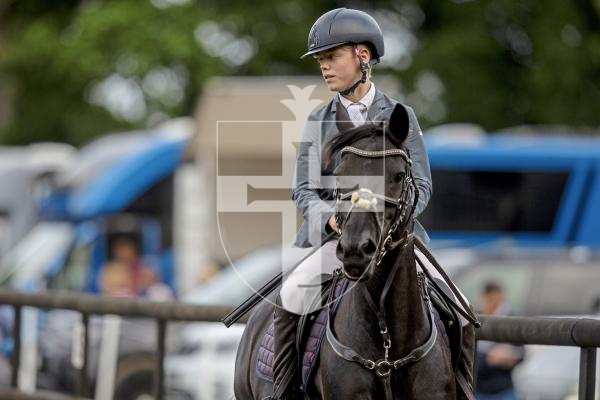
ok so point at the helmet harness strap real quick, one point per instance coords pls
(364, 67)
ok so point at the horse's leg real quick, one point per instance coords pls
(432, 378)
(316, 391)
(338, 379)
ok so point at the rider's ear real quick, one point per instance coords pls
(342, 119)
(399, 123)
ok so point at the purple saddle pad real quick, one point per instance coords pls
(310, 353)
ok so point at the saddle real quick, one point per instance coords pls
(309, 335)
(312, 327)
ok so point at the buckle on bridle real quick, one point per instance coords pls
(383, 368)
(369, 364)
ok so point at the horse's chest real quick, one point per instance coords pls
(343, 379)
(346, 380)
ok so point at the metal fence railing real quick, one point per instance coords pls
(577, 332)
(88, 305)
(583, 333)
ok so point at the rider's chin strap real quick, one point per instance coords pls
(364, 67)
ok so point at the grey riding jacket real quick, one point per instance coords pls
(312, 192)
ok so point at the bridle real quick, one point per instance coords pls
(364, 198)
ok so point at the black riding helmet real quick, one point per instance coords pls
(346, 26)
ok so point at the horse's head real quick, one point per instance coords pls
(375, 193)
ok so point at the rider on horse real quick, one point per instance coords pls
(346, 43)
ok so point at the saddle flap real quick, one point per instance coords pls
(449, 318)
(310, 335)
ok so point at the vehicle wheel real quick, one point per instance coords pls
(135, 378)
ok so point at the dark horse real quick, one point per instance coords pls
(383, 343)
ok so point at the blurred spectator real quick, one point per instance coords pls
(126, 275)
(208, 271)
(495, 361)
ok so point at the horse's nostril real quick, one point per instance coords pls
(368, 248)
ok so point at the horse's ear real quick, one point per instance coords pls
(399, 124)
(342, 119)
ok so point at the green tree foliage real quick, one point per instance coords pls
(65, 62)
(511, 62)
(76, 69)
(55, 60)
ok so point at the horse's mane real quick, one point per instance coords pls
(348, 138)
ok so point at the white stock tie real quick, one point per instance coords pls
(355, 112)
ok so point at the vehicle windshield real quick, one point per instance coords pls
(515, 278)
(256, 269)
(35, 253)
(539, 286)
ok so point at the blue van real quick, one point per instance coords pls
(133, 198)
(529, 190)
(121, 186)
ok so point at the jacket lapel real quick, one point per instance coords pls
(379, 104)
(334, 106)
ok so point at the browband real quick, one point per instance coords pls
(377, 153)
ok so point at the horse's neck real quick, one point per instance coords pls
(404, 312)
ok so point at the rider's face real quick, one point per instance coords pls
(339, 66)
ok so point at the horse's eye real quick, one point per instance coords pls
(398, 177)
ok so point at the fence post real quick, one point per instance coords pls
(587, 373)
(160, 357)
(83, 377)
(16, 355)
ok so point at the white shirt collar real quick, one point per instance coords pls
(367, 99)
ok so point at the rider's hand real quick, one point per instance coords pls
(333, 224)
